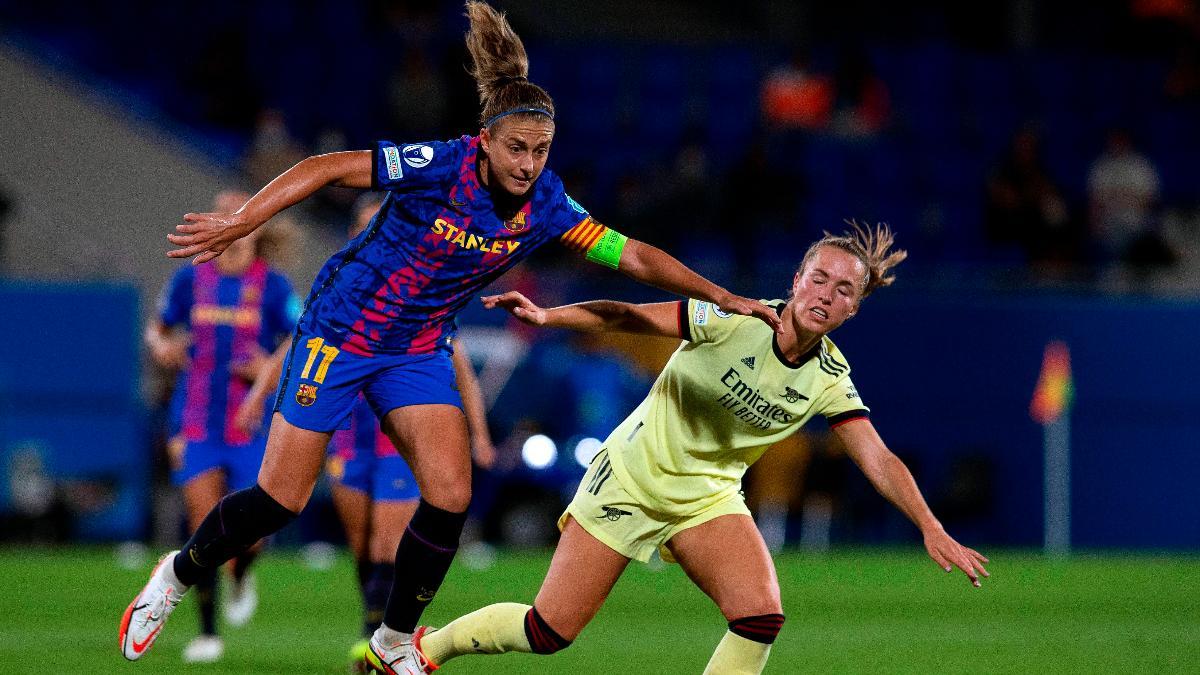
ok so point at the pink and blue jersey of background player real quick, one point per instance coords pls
(435, 242)
(227, 317)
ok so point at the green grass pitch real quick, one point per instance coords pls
(853, 611)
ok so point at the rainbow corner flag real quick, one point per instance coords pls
(1055, 390)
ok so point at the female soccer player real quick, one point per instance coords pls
(668, 477)
(374, 492)
(380, 319)
(217, 324)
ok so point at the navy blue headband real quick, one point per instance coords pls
(523, 109)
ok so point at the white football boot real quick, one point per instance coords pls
(204, 649)
(404, 659)
(241, 602)
(148, 612)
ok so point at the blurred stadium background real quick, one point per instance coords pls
(1038, 161)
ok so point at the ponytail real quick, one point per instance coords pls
(500, 67)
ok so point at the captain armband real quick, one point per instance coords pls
(598, 242)
(607, 249)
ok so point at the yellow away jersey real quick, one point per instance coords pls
(725, 396)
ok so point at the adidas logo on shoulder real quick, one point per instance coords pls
(749, 361)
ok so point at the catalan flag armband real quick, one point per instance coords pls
(601, 244)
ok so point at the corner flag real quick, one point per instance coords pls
(1055, 390)
(1051, 407)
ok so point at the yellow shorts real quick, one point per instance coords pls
(612, 515)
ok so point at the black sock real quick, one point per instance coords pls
(375, 594)
(363, 567)
(236, 523)
(206, 597)
(242, 563)
(422, 558)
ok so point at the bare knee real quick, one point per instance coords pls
(755, 601)
(291, 495)
(292, 463)
(449, 493)
(756, 613)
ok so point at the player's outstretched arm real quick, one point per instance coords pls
(655, 267)
(207, 235)
(893, 480)
(594, 316)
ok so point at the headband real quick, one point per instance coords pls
(521, 109)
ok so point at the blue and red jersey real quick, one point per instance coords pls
(436, 241)
(229, 318)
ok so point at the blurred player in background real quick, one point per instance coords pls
(374, 490)
(669, 477)
(380, 320)
(217, 325)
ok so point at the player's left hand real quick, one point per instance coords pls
(736, 304)
(207, 234)
(248, 417)
(518, 305)
(249, 367)
(948, 554)
(485, 455)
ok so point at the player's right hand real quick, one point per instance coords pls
(248, 417)
(207, 234)
(518, 305)
(484, 454)
(947, 552)
(252, 366)
(736, 304)
(170, 353)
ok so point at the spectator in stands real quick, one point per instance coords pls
(760, 201)
(1123, 195)
(417, 95)
(854, 102)
(689, 194)
(1025, 207)
(793, 97)
(220, 86)
(273, 150)
(862, 104)
(1183, 80)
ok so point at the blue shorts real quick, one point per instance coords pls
(239, 462)
(383, 479)
(320, 383)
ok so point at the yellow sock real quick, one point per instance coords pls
(495, 629)
(738, 656)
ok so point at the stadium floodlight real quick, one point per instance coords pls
(539, 451)
(586, 449)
